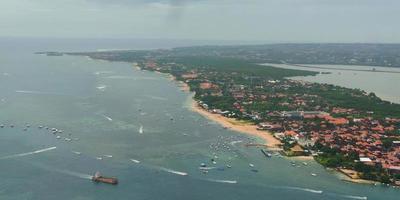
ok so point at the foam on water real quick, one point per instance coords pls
(301, 189)
(349, 196)
(172, 171)
(222, 181)
(29, 153)
(35, 92)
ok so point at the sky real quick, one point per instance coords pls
(245, 20)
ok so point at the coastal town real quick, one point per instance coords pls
(350, 130)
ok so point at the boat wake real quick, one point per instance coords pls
(348, 196)
(235, 142)
(354, 197)
(35, 92)
(172, 171)
(302, 189)
(75, 174)
(103, 72)
(156, 97)
(28, 153)
(222, 181)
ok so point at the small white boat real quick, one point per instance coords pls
(251, 165)
(67, 139)
(58, 137)
(312, 174)
(305, 164)
(141, 129)
(228, 166)
(77, 152)
(135, 161)
(108, 156)
(99, 158)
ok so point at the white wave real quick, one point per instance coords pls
(135, 161)
(29, 153)
(222, 181)
(172, 171)
(302, 189)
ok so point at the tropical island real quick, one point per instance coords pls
(350, 130)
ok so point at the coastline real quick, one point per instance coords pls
(269, 140)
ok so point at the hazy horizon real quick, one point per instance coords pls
(261, 21)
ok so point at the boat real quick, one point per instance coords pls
(251, 165)
(312, 174)
(58, 137)
(98, 178)
(141, 130)
(1, 125)
(135, 161)
(77, 152)
(305, 164)
(269, 155)
(108, 156)
(99, 158)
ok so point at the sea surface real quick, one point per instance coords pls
(143, 121)
(383, 81)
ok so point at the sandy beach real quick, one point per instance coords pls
(239, 126)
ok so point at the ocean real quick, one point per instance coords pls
(136, 126)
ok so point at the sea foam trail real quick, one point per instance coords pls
(75, 174)
(222, 181)
(28, 153)
(35, 92)
(348, 196)
(172, 171)
(301, 189)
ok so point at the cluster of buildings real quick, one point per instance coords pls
(298, 117)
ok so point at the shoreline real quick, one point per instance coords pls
(269, 140)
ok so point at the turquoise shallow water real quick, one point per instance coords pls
(101, 107)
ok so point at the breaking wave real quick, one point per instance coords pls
(29, 153)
